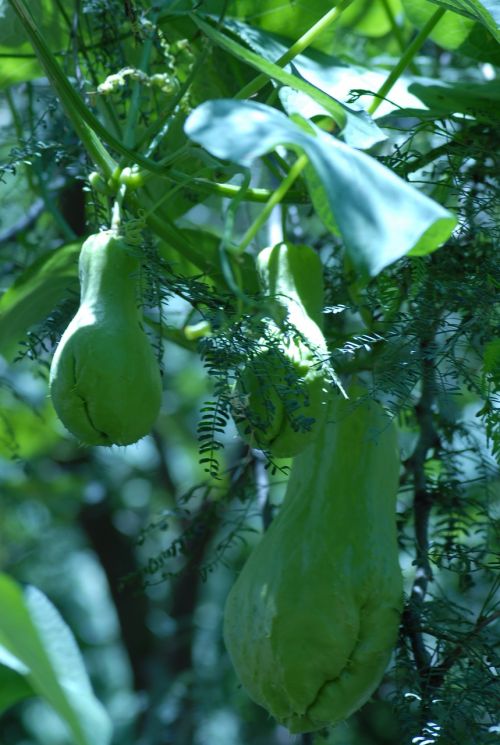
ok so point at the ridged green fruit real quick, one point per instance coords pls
(105, 380)
(313, 617)
(284, 387)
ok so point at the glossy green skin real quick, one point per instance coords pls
(293, 274)
(284, 388)
(105, 381)
(313, 617)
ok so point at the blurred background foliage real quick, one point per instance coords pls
(137, 546)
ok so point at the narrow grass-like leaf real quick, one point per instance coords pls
(35, 293)
(33, 633)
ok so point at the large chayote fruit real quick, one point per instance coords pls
(105, 380)
(283, 388)
(312, 619)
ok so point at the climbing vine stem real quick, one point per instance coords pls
(406, 59)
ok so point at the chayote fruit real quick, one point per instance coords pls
(313, 617)
(105, 380)
(282, 391)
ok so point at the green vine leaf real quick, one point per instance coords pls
(486, 12)
(274, 72)
(379, 216)
(478, 100)
(320, 71)
(450, 31)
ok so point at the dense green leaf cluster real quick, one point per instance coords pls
(208, 131)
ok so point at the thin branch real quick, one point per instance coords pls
(422, 503)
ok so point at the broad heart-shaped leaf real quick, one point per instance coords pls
(35, 293)
(55, 27)
(486, 12)
(451, 30)
(320, 70)
(478, 100)
(335, 108)
(334, 76)
(481, 45)
(53, 24)
(38, 644)
(289, 18)
(18, 69)
(354, 133)
(369, 19)
(379, 216)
